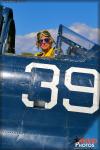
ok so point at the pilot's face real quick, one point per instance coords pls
(45, 43)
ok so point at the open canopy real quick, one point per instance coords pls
(68, 39)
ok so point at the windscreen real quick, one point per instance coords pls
(76, 38)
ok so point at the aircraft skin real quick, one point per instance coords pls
(49, 104)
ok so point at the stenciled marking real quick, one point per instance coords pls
(94, 90)
(54, 90)
(52, 85)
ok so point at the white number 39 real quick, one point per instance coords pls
(54, 90)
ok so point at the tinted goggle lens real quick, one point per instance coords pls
(46, 40)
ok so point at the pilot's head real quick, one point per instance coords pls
(44, 40)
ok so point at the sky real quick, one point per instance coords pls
(32, 17)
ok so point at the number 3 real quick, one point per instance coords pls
(52, 85)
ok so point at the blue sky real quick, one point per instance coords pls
(35, 16)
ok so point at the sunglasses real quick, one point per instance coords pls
(46, 40)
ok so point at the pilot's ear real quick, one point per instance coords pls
(52, 40)
(38, 37)
(37, 44)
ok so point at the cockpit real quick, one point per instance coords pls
(70, 43)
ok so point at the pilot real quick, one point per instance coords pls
(45, 43)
